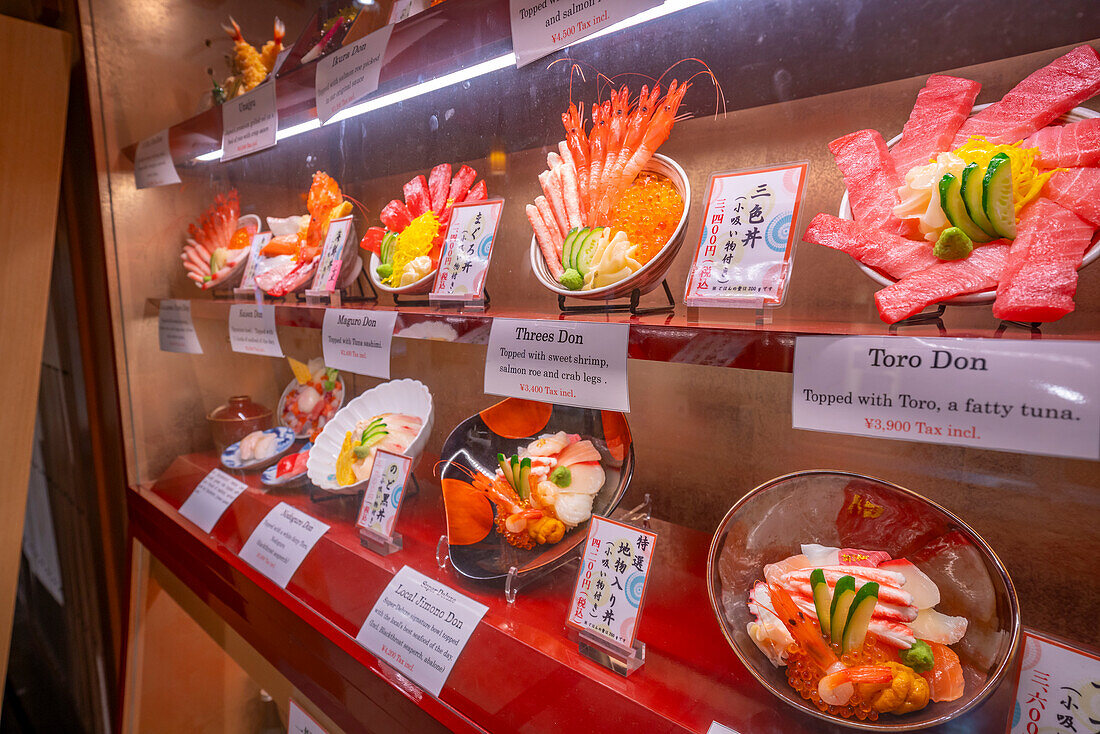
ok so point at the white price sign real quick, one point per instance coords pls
(541, 27)
(350, 73)
(743, 259)
(1029, 397)
(358, 341)
(565, 362)
(281, 542)
(252, 330)
(209, 501)
(419, 627)
(249, 122)
(385, 490)
(153, 162)
(299, 722)
(175, 329)
(467, 249)
(1058, 689)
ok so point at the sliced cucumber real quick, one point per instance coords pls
(387, 248)
(515, 472)
(567, 247)
(859, 617)
(997, 199)
(569, 260)
(587, 251)
(952, 202)
(844, 593)
(505, 467)
(523, 487)
(821, 599)
(972, 190)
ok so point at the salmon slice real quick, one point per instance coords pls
(1040, 275)
(872, 180)
(1038, 100)
(941, 109)
(1062, 146)
(893, 254)
(944, 280)
(1078, 190)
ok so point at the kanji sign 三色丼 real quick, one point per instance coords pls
(1058, 689)
(745, 247)
(467, 248)
(615, 563)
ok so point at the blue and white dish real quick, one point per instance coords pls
(270, 479)
(284, 439)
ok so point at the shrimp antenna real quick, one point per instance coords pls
(719, 95)
(455, 464)
(362, 207)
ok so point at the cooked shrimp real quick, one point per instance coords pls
(837, 689)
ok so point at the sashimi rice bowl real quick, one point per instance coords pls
(975, 204)
(859, 601)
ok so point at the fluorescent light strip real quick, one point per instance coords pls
(462, 75)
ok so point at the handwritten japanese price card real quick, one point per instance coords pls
(248, 280)
(328, 270)
(1058, 691)
(467, 248)
(385, 490)
(743, 259)
(612, 581)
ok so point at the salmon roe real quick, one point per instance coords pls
(804, 675)
(648, 212)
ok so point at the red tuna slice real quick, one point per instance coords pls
(478, 192)
(942, 107)
(944, 280)
(1078, 190)
(439, 183)
(396, 216)
(1038, 100)
(417, 197)
(461, 184)
(893, 254)
(871, 179)
(1075, 144)
(1040, 276)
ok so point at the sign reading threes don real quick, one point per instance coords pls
(1029, 397)
(541, 27)
(565, 362)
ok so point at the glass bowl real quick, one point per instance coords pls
(841, 509)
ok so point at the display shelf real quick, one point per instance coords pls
(519, 670)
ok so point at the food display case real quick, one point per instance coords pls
(738, 88)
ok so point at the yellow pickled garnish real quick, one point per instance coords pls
(300, 370)
(1027, 178)
(414, 242)
(648, 212)
(345, 475)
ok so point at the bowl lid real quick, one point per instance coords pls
(239, 408)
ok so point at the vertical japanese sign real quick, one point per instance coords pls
(743, 259)
(328, 269)
(175, 329)
(385, 490)
(467, 249)
(153, 164)
(1058, 690)
(611, 584)
(350, 73)
(250, 122)
(259, 241)
(541, 27)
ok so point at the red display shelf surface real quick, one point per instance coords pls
(519, 670)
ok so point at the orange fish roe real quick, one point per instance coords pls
(804, 675)
(648, 212)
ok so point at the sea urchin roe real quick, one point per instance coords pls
(415, 241)
(648, 212)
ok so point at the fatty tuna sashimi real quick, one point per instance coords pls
(439, 184)
(891, 253)
(1062, 146)
(941, 108)
(396, 216)
(417, 198)
(461, 184)
(1078, 190)
(1040, 275)
(478, 192)
(872, 180)
(1038, 100)
(944, 280)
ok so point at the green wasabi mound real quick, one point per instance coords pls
(561, 476)
(572, 279)
(918, 657)
(384, 271)
(953, 244)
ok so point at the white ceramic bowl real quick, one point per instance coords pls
(409, 397)
(650, 275)
(419, 287)
(234, 272)
(987, 296)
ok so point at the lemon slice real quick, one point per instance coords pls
(301, 371)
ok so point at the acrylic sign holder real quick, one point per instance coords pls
(378, 543)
